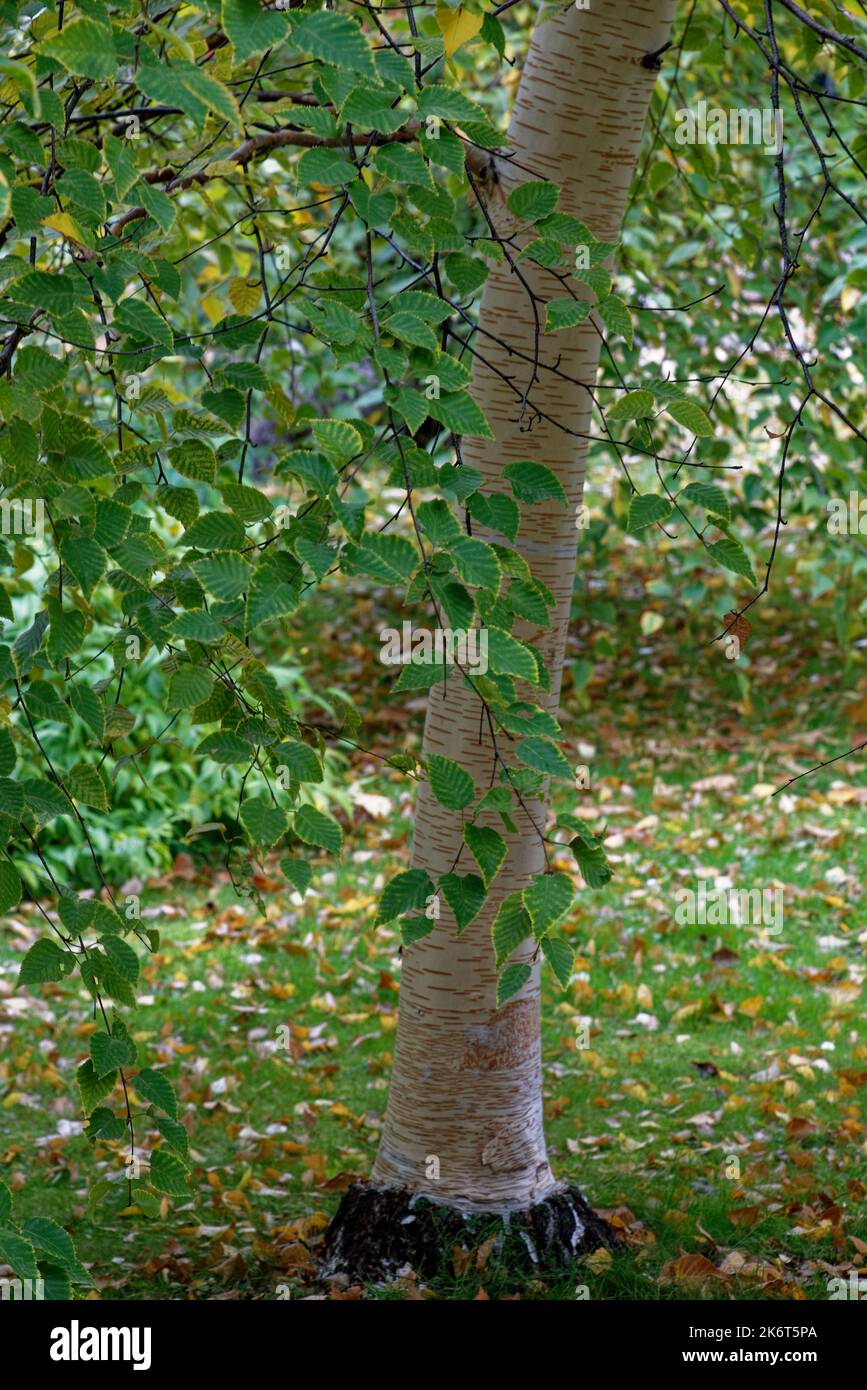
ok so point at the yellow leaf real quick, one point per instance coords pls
(62, 222)
(849, 298)
(751, 1006)
(245, 295)
(651, 622)
(286, 411)
(214, 309)
(457, 27)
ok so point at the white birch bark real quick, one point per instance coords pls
(466, 1085)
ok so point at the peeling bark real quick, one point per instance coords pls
(464, 1118)
(466, 1086)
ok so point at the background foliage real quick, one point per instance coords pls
(239, 244)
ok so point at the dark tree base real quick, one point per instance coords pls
(378, 1231)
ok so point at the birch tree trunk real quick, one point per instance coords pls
(466, 1089)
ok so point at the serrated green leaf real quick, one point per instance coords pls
(691, 416)
(264, 822)
(169, 1174)
(533, 200)
(511, 926)
(561, 958)
(93, 1088)
(487, 847)
(451, 785)
(155, 1087)
(511, 980)
(318, 828)
(465, 895)
(534, 482)
(731, 555)
(546, 899)
(406, 891)
(645, 509)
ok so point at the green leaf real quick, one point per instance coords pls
(465, 895)
(451, 785)
(197, 626)
(93, 1088)
(561, 958)
(44, 961)
(174, 1132)
(155, 1087)
(52, 1240)
(45, 800)
(731, 555)
(594, 866)
(511, 926)
(509, 657)
(108, 1053)
(530, 201)
(412, 329)
(140, 321)
(18, 1253)
(215, 531)
(224, 574)
(264, 822)
(10, 887)
(335, 38)
(408, 890)
(691, 416)
(376, 209)
(467, 273)
(104, 1124)
(147, 1201)
(476, 563)
(124, 960)
(224, 746)
(534, 482)
(7, 753)
(300, 760)
(566, 313)
(85, 784)
(389, 558)
(189, 686)
(250, 28)
(645, 508)
(83, 47)
(544, 756)
(546, 899)
(496, 511)
(402, 166)
(85, 560)
(634, 405)
(449, 103)
(459, 413)
(318, 828)
(708, 495)
(369, 108)
(192, 459)
(615, 314)
(169, 1174)
(90, 707)
(439, 523)
(487, 848)
(512, 979)
(298, 872)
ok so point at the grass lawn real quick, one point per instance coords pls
(716, 1112)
